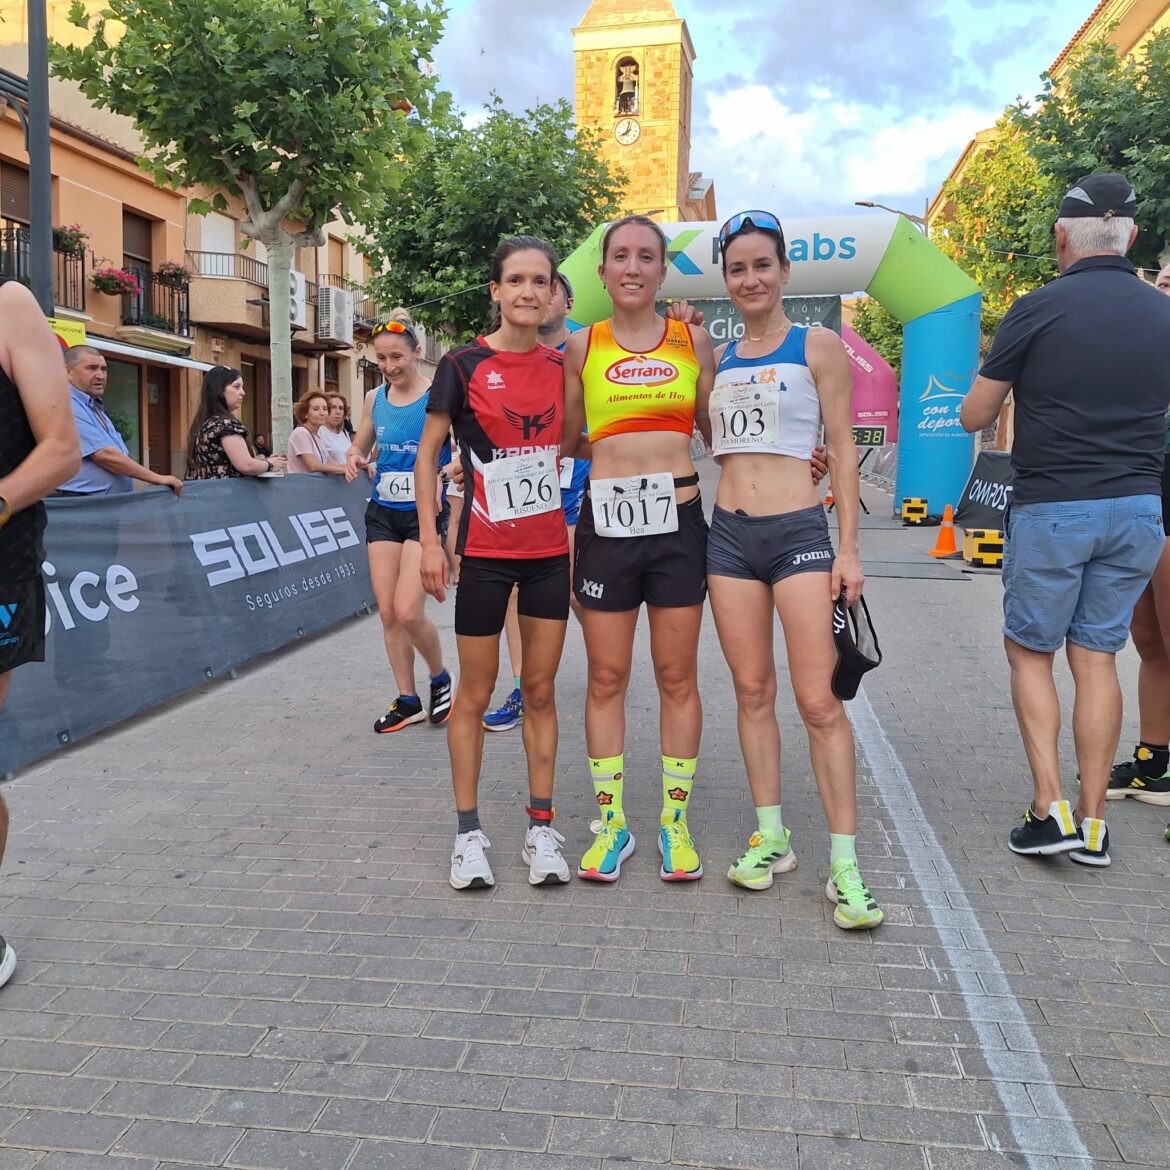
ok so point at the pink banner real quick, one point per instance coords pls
(875, 392)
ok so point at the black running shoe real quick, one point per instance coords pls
(1130, 778)
(440, 709)
(1055, 833)
(402, 713)
(1094, 848)
(7, 961)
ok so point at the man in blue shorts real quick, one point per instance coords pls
(1086, 358)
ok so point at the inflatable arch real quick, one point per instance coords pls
(887, 257)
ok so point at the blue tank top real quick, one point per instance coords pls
(397, 430)
(572, 494)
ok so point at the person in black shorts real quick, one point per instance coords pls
(393, 419)
(1146, 777)
(39, 451)
(503, 395)
(639, 381)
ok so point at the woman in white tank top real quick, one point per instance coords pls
(769, 549)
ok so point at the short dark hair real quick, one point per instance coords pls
(516, 244)
(628, 221)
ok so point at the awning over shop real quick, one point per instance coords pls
(146, 355)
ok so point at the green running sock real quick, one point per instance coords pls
(842, 847)
(606, 774)
(678, 776)
(768, 819)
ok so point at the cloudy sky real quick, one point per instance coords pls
(798, 107)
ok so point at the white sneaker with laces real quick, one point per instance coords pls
(469, 865)
(542, 852)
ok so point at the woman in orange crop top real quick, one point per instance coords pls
(637, 381)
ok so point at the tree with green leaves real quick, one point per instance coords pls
(881, 329)
(1109, 113)
(297, 107)
(474, 183)
(1000, 226)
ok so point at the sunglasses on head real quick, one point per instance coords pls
(758, 219)
(393, 327)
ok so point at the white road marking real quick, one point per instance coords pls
(984, 985)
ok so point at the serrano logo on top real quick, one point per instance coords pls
(640, 370)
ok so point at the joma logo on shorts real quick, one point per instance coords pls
(591, 588)
(804, 558)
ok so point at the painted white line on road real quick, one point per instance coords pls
(1053, 1134)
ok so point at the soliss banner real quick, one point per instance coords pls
(150, 594)
(988, 492)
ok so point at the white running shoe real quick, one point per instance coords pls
(469, 866)
(542, 852)
(8, 960)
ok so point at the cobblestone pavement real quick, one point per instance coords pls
(238, 946)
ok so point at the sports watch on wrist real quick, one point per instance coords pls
(5, 511)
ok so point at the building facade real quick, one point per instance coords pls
(634, 70)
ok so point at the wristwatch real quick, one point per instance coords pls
(268, 463)
(5, 511)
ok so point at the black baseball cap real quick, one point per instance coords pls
(1103, 195)
(857, 646)
(568, 287)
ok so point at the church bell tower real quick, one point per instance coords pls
(634, 70)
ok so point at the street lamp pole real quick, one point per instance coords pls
(40, 173)
(917, 220)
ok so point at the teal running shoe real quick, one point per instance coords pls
(680, 854)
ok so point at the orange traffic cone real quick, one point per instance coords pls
(829, 498)
(946, 536)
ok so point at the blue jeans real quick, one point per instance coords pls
(1073, 570)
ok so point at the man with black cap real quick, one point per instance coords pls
(1086, 358)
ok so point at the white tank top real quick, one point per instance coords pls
(766, 405)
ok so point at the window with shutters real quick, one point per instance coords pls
(136, 241)
(15, 201)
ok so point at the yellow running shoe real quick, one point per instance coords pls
(612, 845)
(680, 854)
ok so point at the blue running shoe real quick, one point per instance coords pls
(612, 845)
(506, 717)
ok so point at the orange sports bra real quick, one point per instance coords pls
(627, 392)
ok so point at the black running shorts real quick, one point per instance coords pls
(398, 524)
(486, 583)
(618, 573)
(769, 548)
(22, 622)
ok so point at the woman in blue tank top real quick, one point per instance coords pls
(769, 552)
(393, 420)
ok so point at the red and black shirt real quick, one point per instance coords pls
(503, 404)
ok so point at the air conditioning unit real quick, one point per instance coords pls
(298, 317)
(335, 315)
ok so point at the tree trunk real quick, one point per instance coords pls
(280, 261)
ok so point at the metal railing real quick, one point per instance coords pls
(160, 304)
(229, 266)
(14, 261)
(69, 280)
(68, 267)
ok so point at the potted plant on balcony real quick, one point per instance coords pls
(70, 239)
(173, 274)
(115, 282)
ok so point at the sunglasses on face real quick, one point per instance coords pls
(758, 219)
(393, 327)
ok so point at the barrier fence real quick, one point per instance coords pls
(150, 594)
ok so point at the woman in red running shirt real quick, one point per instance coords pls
(503, 396)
